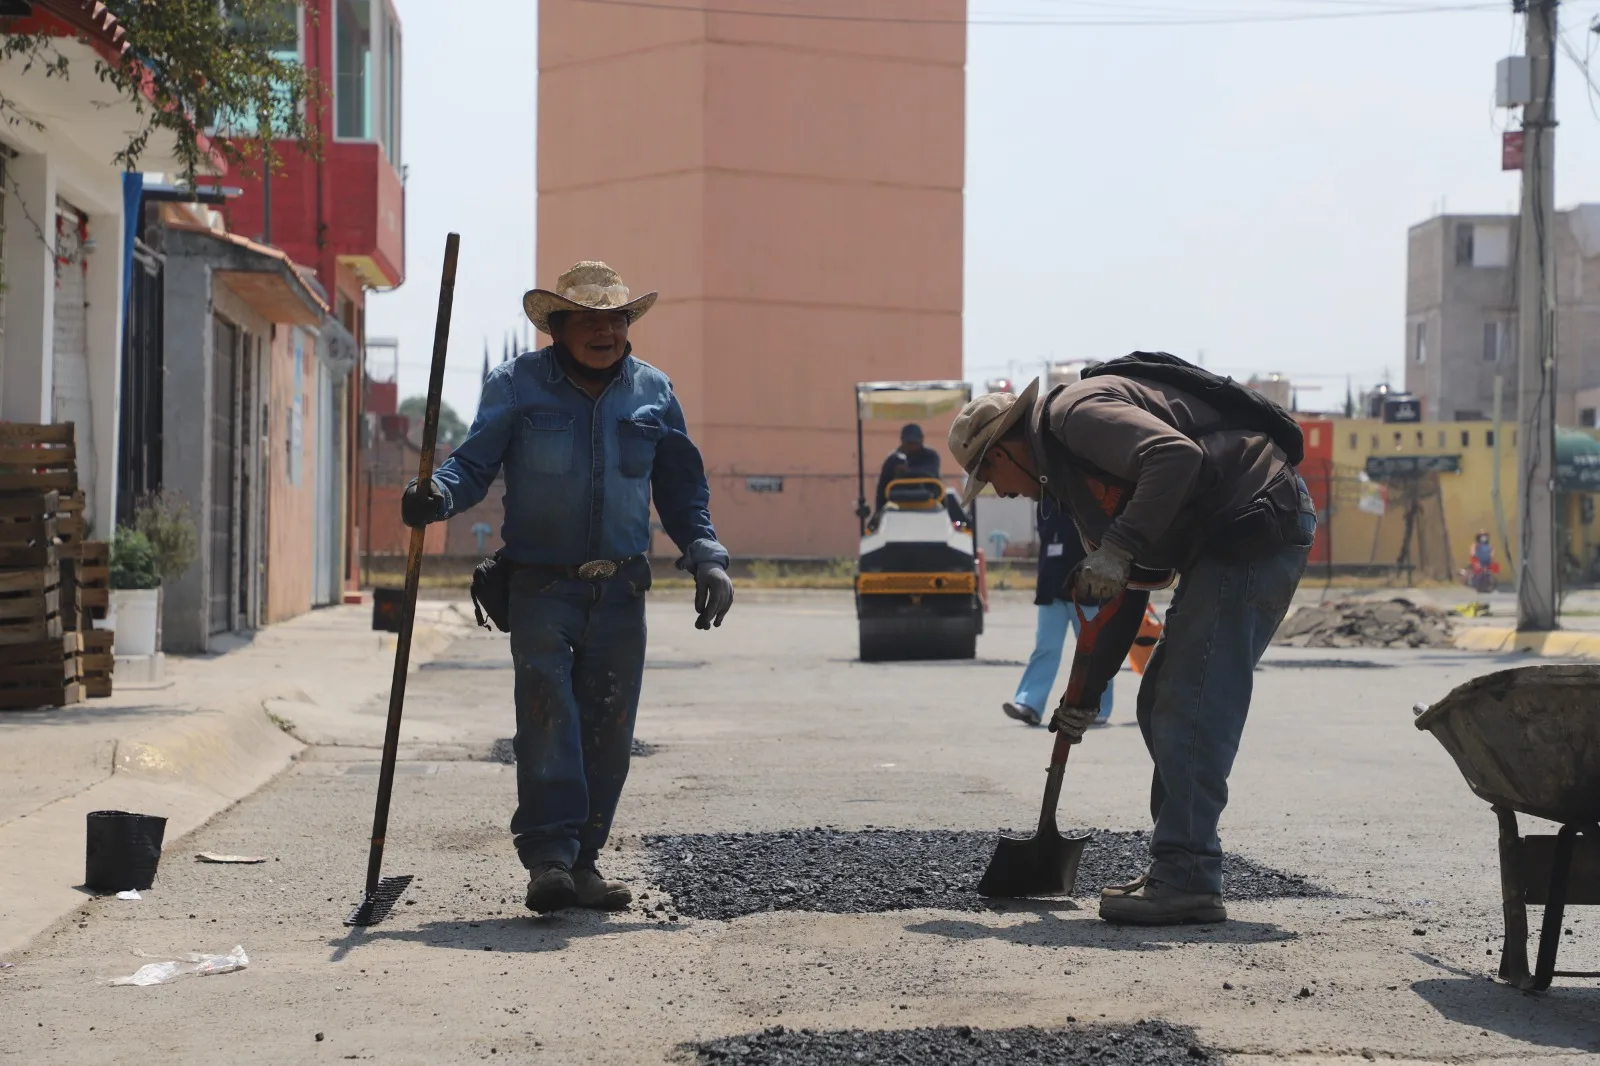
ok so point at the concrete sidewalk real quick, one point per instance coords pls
(185, 751)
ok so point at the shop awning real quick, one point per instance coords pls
(910, 399)
(1577, 461)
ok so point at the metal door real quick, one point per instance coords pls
(224, 466)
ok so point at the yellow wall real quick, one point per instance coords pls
(1468, 499)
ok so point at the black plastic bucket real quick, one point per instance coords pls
(123, 850)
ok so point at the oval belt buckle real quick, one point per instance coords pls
(597, 570)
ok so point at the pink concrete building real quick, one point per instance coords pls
(793, 187)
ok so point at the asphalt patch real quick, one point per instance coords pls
(502, 751)
(728, 875)
(959, 1045)
(1324, 664)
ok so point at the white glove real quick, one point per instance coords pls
(1103, 574)
(1073, 722)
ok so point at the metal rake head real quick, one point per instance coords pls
(379, 902)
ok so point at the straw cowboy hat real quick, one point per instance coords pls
(981, 423)
(588, 286)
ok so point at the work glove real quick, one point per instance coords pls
(420, 504)
(713, 594)
(1072, 722)
(1102, 574)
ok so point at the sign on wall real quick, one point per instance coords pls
(1389, 467)
(764, 484)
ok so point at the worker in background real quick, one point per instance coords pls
(1159, 481)
(1060, 552)
(909, 460)
(588, 435)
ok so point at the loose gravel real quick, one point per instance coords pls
(502, 751)
(727, 875)
(959, 1045)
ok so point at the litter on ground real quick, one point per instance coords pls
(1395, 623)
(206, 856)
(159, 973)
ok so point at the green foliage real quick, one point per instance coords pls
(133, 561)
(203, 63)
(164, 519)
(452, 431)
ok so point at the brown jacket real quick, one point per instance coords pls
(1146, 467)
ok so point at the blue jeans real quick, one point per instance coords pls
(578, 650)
(1048, 639)
(1196, 694)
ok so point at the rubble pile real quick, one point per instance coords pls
(1395, 623)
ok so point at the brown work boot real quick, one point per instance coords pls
(596, 893)
(1156, 903)
(549, 888)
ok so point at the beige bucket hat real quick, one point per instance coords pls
(587, 286)
(982, 422)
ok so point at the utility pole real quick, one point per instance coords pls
(1536, 355)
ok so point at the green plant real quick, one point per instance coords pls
(133, 561)
(164, 519)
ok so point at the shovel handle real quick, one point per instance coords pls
(1052, 783)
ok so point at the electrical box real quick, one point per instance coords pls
(1513, 82)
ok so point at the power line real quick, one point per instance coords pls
(1020, 20)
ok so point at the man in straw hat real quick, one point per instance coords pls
(588, 436)
(1158, 480)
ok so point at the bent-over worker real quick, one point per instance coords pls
(1158, 481)
(587, 435)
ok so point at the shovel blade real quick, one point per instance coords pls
(1045, 864)
(375, 907)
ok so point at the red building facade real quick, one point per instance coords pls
(342, 212)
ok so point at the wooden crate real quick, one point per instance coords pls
(70, 596)
(30, 605)
(28, 533)
(70, 526)
(35, 458)
(94, 579)
(44, 673)
(98, 662)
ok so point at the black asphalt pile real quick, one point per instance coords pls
(727, 875)
(1393, 623)
(503, 752)
(959, 1045)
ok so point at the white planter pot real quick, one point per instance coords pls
(138, 621)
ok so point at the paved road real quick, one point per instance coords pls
(770, 724)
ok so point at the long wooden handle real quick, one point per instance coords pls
(1052, 782)
(402, 648)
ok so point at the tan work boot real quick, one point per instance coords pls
(596, 893)
(1156, 903)
(1124, 889)
(549, 888)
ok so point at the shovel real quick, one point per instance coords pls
(1046, 864)
(383, 892)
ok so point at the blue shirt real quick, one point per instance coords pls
(580, 472)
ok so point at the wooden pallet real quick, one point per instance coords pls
(94, 579)
(98, 662)
(70, 596)
(70, 525)
(30, 605)
(35, 458)
(42, 673)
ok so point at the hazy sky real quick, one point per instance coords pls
(1233, 187)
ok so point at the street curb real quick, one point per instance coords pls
(1557, 644)
(188, 769)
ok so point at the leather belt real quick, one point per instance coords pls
(593, 570)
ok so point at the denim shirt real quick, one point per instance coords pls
(579, 471)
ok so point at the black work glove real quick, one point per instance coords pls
(713, 594)
(419, 504)
(1074, 722)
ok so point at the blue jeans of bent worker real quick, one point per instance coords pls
(1196, 695)
(578, 652)
(1050, 636)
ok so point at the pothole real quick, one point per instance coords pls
(728, 875)
(958, 1045)
(502, 751)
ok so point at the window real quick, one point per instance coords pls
(1586, 418)
(1419, 342)
(1488, 437)
(1491, 247)
(279, 27)
(1374, 442)
(1466, 439)
(391, 90)
(1419, 438)
(352, 88)
(1355, 441)
(1441, 438)
(1497, 341)
(1464, 244)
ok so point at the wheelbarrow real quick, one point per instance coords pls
(1528, 741)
